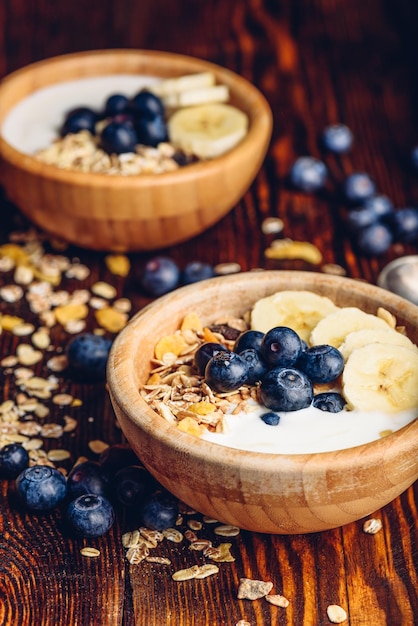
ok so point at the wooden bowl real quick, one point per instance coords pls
(123, 213)
(272, 493)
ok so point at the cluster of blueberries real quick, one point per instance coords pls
(281, 363)
(92, 491)
(162, 274)
(372, 220)
(129, 122)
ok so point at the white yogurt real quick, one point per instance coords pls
(306, 431)
(34, 123)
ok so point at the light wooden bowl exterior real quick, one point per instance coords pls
(261, 492)
(130, 213)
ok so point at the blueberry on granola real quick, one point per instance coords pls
(204, 353)
(322, 364)
(281, 346)
(226, 371)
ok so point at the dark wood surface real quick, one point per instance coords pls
(317, 62)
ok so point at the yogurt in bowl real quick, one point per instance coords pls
(378, 386)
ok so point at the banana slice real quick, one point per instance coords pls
(300, 310)
(192, 97)
(334, 328)
(360, 338)
(207, 130)
(169, 86)
(381, 377)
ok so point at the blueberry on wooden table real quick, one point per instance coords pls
(329, 401)
(41, 488)
(196, 271)
(87, 477)
(87, 356)
(337, 138)
(404, 223)
(14, 458)
(160, 511)
(286, 389)
(374, 240)
(308, 174)
(159, 276)
(132, 484)
(90, 515)
(358, 187)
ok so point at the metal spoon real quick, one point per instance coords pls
(401, 277)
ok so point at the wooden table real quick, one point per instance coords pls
(317, 62)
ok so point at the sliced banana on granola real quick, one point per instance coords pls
(299, 310)
(365, 336)
(207, 130)
(334, 328)
(381, 377)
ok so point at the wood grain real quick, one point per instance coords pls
(316, 61)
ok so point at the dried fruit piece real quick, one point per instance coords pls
(70, 312)
(289, 249)
(190, 426)
(173, 344)
(111, 319)
(118, 264)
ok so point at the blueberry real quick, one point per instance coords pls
(41, 488)
(116, 457)
(82, 118)
(87, 356)
(226, 371)
(160, 511)
(151, 132)
(381, 206)
(131, 484)
(204, 353)
(308, 174)
(360, 217)
(404, 223)
(255, 365)
(90, 515)
(249, 339)
(414, 158)
(281, 346)
(147, 105)
(196, 271)
(337, 138)
(118, 138)
(270, 418)
(331, 401)
(160, 275)
(358, 187)
(14, 458)
(87, 477)
(374, 240)
(286, 389)
(374, 209)
(116, 104)
(322, 364)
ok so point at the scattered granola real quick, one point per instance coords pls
(372, 526)
(336, 614)
(278, 600)
(250, 589)
(289, 249)
(90, 552)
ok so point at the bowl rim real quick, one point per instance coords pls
(120, 378)
(260, 125)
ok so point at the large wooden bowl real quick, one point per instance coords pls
(298, 493)
(129, 213)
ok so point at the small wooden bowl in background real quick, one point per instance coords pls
(127, 213)
(284, 494)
